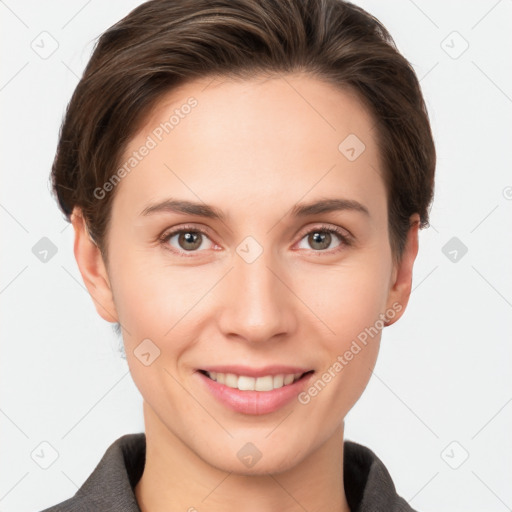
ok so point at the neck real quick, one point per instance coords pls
(176, 479)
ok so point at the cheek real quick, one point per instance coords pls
(165, 306)
(349, 301)
(347, 298)
(158, 301)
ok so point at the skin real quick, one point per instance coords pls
(253, 149)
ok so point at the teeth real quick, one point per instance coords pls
(245, 383)
(288, 379)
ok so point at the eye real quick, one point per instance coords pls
(185, 240)
(192, 240)
(321, 239)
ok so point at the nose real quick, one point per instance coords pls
(257, 301)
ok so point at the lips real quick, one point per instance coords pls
(254, 400)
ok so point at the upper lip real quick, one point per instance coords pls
(256, 372)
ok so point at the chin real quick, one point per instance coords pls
(251, 461)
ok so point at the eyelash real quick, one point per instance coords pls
(345, 239)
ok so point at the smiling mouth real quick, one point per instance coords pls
(263, 383)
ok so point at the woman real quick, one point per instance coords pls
(246, 180)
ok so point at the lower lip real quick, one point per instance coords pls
(254, 402)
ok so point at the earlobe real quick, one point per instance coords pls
(401, 284)
(92, 268)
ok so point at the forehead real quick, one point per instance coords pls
(256, 138)
(266, 107)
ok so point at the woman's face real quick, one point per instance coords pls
(264, 283)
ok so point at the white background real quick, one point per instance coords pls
(443, 378)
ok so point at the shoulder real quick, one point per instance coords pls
(111, 484)
(368, 484)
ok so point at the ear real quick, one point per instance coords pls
(401, 281)
(94, 274)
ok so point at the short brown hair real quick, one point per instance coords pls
(165, 43)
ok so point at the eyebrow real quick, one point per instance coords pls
(299, 210)
(182, 206)
(326, 206)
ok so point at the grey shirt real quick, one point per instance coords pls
(110, 487)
